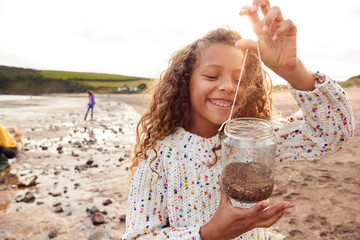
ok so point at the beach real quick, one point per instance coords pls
(72, 179)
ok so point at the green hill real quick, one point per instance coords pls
(15, 80)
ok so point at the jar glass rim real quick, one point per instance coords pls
(247, 127)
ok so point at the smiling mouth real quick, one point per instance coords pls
(221, 103)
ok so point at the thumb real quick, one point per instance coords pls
(224, 199)
(246, 43)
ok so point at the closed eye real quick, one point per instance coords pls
(211, 77)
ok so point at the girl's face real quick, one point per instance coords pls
(212, 87)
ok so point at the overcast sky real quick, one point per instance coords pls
(137, 37)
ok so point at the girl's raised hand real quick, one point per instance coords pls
(229, 222)
(276, 36)
(277, 43)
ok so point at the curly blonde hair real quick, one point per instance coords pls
(169, 106)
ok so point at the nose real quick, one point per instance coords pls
(227, 84)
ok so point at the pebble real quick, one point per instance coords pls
(52, 234)
(58, 209)
(122, 218)
(107, 202)
(44, 148)
(80, 168)
(29, 196)
(93, 210)
(57, 194)
(97, 218)
(57, 204)
(30, 184)
(74, 154)
(89, 162)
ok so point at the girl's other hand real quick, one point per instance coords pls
(229, 222)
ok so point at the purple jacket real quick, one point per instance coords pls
(92, 100)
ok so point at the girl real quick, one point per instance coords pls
(175, 191)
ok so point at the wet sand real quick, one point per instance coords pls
(78, 165)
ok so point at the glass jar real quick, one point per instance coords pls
(248, 150)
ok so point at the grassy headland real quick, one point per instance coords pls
(30, 81)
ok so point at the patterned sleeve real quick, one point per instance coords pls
(322, 126)
(146, 216)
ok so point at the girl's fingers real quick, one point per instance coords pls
(244, 10)
(274, 211)
(264, 4)
(273, 15)
(286, 27)
(265, 7)
(253, 16)
(246, 43)
(255, 210)
(268, 217)
(252, 11)
(270, 221)
(255, 6)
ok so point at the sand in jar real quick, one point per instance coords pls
(235, 182)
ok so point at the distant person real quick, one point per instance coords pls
(8, 148)
(91, 104)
